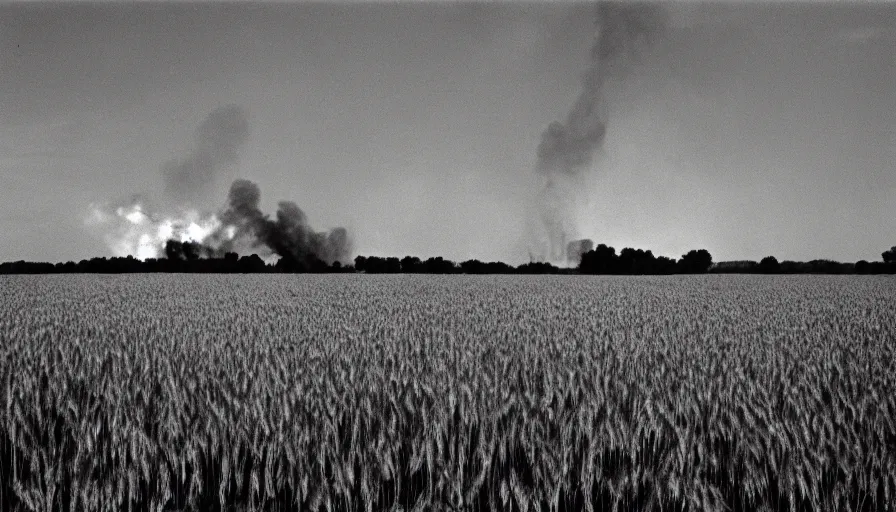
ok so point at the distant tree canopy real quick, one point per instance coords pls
(292, 265)
(735, 267)
(479, 267)
(186, 251)
(410, 264)
(601, 260)
(439, 265)
(231, 263)
(195, 258)
(604, 260)
(377, 265)
(769, 265)
(889, 256)
(695, 262)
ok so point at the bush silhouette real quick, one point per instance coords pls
(601, 260)
(889, 257)
(769, 265)
(695, 262)
(410, 264)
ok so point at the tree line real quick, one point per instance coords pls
(187, 257)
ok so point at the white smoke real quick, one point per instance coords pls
(132, 230)
(567, 148)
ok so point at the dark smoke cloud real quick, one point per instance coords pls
(242, 226)
(576, 248)
(288, 235)
(218, 141)
(567, 148)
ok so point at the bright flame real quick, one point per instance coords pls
(135, 217)
(166, 230)
(198, 232)
(145, 247)
(132, 231)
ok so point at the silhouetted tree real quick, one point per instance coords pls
(186, 251)
(497, 267)
(289, 264)
(472, 267)
(192, 251)
(438, 265)
(479, 267)
(793, 267)
(635, 262)
(576, 248)
(537, 267)
(735, 267)
(410, 264)
(695, 262)
(664, 265)
(625, 263)
(174, 250)
(828, 267)
(879, 267)
(376, 265)
(889, 256)
(769, 265)
(862, 267)
(251, 264)
(316, 265)
(602, 260)
(393, 265)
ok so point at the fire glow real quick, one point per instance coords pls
(131, 230)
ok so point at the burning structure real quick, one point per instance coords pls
(134, 229)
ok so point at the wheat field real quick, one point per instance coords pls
(355, 392)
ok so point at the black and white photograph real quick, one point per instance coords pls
(442, 255)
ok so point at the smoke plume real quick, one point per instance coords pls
(240, 226)
(566, 150)
(575, 250)
(288, 235)
(218, 141)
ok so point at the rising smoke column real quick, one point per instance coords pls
(134, 229)
(217, 144)
(288, 235)
(575, 250)
(567, 149)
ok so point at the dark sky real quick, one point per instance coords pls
(751, 129)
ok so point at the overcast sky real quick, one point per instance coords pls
(750, 130)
